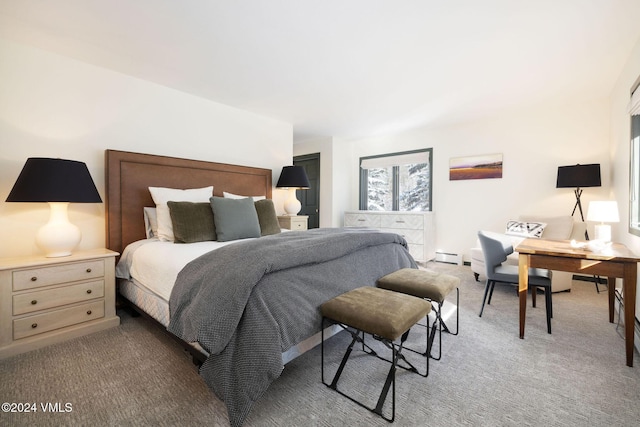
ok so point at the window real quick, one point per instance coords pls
(396, 182)
(634, 172)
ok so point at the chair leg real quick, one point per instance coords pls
(534, 291)
(493, 286)
(547, 300)
(484, 299)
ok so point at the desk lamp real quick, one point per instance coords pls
(577, 177)
(293, 178)
(57, 182)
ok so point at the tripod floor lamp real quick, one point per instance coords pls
(578, 177)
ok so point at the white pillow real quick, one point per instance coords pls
(525, 229)
(235, 196)
(150, 222)
(163, 195)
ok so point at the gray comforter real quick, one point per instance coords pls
(248, 302)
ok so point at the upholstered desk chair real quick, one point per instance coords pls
(496, 249)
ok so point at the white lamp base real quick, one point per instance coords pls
(58, 237)
(603, 232)
(292, 206)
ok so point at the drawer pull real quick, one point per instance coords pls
(400, 222)
(88, 270)
(34, 325)
(34, 278)
(88, 291)
(88, 311)
(34, 302)
(362, 220)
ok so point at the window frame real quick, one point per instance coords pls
(634, 176)
(364, 180)
(634, 160)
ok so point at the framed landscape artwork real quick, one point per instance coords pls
(475, 167)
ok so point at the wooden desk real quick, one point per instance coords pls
(616, 261)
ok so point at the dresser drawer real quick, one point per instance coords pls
(415, 222)
(361, 220)
(411, 236)
(41, 300)
(55, 274)
(40, 323)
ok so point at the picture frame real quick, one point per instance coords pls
(488, 166)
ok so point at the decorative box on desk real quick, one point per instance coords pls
(293, 222)
(418, 228)
(47, 300)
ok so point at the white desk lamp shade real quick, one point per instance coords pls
(603, 211)
(57, 182)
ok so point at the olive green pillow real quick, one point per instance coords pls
(267, 217)
(192, 222)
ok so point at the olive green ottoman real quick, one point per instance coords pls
(386, 315)
(432, 286)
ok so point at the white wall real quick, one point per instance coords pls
(53, 106)
(620, 139)
(534, 142)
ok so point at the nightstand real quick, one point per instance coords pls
(297, 222)
(48, 300)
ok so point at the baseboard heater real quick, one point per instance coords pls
(447, 258)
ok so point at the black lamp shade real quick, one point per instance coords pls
(579, 176)
(293, 177)
(54, 180)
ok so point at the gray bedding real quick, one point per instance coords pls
(248, 302)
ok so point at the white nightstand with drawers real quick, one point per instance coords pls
(47, 300)
(293, 222)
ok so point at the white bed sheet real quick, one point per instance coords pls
(149, 283)
(155, 264)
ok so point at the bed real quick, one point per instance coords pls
(249, 306)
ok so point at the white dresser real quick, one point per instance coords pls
(418, 228)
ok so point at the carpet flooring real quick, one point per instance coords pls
(134, 375)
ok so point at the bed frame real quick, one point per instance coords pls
(129, 176)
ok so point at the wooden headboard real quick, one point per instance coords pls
(129, 176)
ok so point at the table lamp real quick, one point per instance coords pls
(57, 182)
(577, 177)
(293, 178)
(603, 211)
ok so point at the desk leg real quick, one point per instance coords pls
(523, 277)
(611, 288)
(629, 290)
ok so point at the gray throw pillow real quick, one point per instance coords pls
(267, 217)
(192, 222)
(235, 218)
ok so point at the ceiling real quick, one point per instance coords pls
(347, 68)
